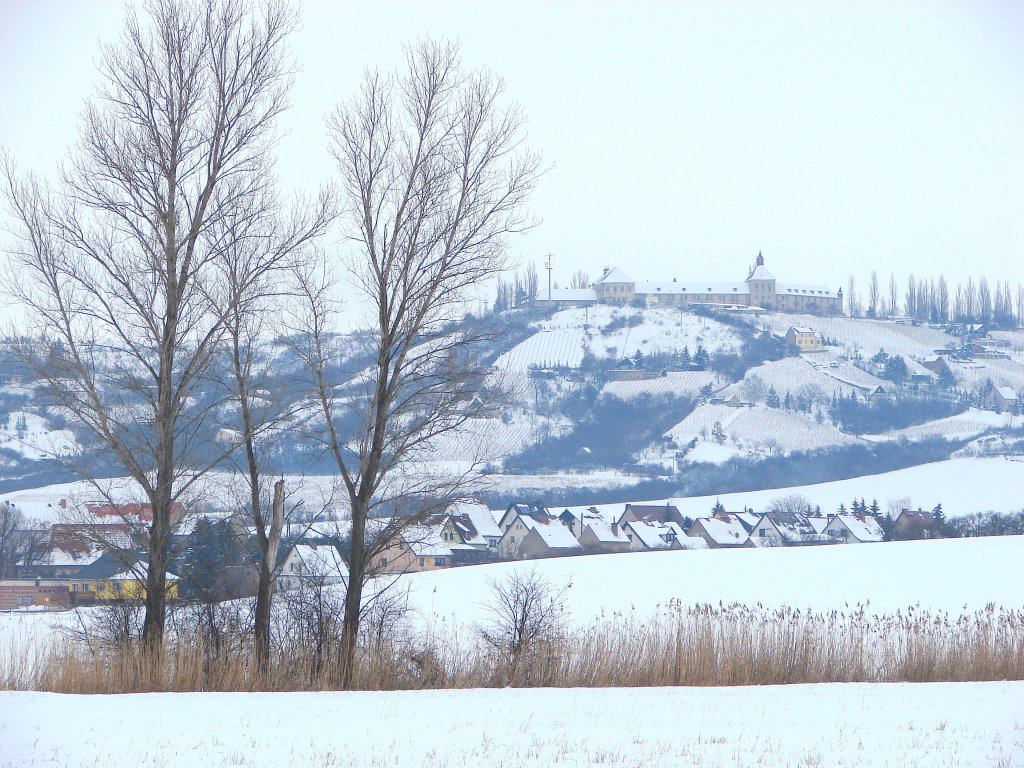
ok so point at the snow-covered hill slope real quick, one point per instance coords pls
(757, 431)
(562, 340)
(863, 336)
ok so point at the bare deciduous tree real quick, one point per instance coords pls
(123, 264)
(894, 301)
(874, 295)
(22, 541)
(580, 279)
(433, 181)
(525, 612)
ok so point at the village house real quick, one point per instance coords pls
(530, 530)
(115, 577)
(776, 529)
(646, 536)
(802, 338)
(594, 532)
(760, 289)
(725, 532)
(33, 593)
(914, 524)
(859, 528)
(418, 548)
(311, 565)
(1004, 400)
(652, 513)
(471, 522)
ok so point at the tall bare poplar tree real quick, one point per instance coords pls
(434, 180)
(122, 266)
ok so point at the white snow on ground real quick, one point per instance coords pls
(678, 383)
(962, 486)
(36, 440)
(865, 336)
(970, 423)
(946, 575)
(759, 430)
(1002, 373)
(865, 725)
(798, 375)
(562, 339)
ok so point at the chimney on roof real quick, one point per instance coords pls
(605, 272)
(615, 529)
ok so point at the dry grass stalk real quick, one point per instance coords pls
(700, 646)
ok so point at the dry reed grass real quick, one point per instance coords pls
(700, 646)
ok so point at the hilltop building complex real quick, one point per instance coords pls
(760, 289)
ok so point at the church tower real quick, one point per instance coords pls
(761, 283)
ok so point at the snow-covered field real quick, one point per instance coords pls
(962, 486)
(865, 725)
(941, 576)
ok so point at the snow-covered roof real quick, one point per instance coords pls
(801, 329)
(614, 275)
(604, 531)
(479, 515)
(319, 560)
(138, 572)
(692, 288)
(1006, 393)
(553, 532)
(568, 294)
(795, 289)
(722, 532)
(656, 535)
(426, 541)
(761, 273)
(867, 529)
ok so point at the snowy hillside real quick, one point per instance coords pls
(863, 336)
(31, 436)
(563, 340)
(757, 431)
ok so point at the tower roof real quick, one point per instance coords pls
(760, 271)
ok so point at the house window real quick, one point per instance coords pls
(24, 599)
(74, 587)
(762, 533)
(423, 562)
(101, 586)
(383, 562)
(492, 542)
(438, 561)
(117, 586)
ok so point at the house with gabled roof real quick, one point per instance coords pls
(720, 533)
(1003, 399)
(594, 532)
(776, 529)
(914, 524)
(530, 530)
(471, 522)
(311, 564)
(858, 528)
(646, 536)
(652, 513)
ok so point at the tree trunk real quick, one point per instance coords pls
(353, 594)
(265, 593)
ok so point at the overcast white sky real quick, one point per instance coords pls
(683, 137)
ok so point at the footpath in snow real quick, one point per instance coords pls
(864, 725)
